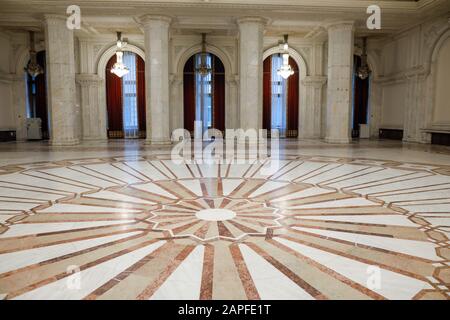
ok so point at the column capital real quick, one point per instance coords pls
(340, 25)
(315, 81)
(54, 18)
(148, 19)
(87, 79)
(252, 19)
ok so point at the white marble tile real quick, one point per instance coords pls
(18, 230)
(421, 249)
(269, 281)
(267, 187)
(146, 169)
(352, 202)
(111, 171)
(86, 180)
(390, 220)
(229, 185)
(91, 278)
(185, 282)
(310, 192)
(153, 188)
(181, 171)
(39, 182)
(116, 196)
(192, 185)
(392, 285)
(19, 259)
(66, 208)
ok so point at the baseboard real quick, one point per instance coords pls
(440, 138)
(7, 135)
(391, 134)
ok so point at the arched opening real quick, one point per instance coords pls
(280, 97)
(36, 102)
(204, 95)
(360, 102)
(125, 99)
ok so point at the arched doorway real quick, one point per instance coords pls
(280, 97)
(360, 105)
(204, 95)
(37, 96)
(125, 99)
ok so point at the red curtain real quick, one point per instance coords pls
(292, 101)
(218, 79)
(189, 94)
(41, 96)
(114, 102)
(267, 93)
(361, 95)
(140, 78)
(292, 98)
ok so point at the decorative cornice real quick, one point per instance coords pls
(252, 19)
(148, 19)
(418, 72)
(340, 25)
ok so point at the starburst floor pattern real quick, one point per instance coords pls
(145, 228)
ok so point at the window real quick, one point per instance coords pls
(279, 96)
(129, 92)
(203, 90)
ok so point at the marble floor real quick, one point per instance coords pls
(120, 220)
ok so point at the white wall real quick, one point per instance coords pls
(441, 114)
(413, 80)
(6, 106)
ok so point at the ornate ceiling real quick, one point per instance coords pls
(300, 17)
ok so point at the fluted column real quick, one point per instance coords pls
(250, 71)
(156, 38)
(63, 110)
(339, 90)
(93, 116)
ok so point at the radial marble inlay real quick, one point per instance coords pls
(145, 228)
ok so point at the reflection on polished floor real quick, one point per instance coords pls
(120, 220)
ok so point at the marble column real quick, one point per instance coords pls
(156, 38)
(93, 116)
(310, 111)
(19, 94)
(250, 71)
(63, 110)
(339, 87)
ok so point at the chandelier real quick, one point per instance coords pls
(203, 69)
(285, 71)
(119, 69)
(363, 71)
(33, 68)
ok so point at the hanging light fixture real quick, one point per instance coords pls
(204, 69)
(285, 71)
(119, 69)
(363, 71)
(33, 68)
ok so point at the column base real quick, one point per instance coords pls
(155, 142)
(337, 140)
(65, 142)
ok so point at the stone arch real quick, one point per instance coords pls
(111, 51)
(432, 62)
(294, 54)
(304, 115)
(184, 57)
(102, 61)
(177, 102)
